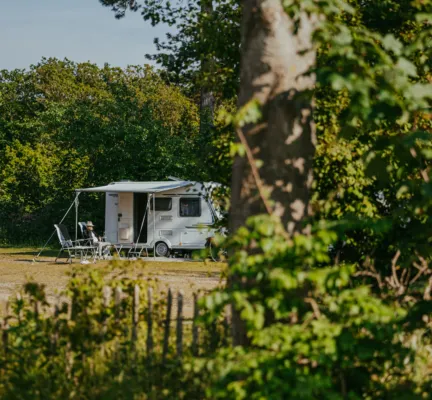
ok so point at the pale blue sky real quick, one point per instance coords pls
(81, 30)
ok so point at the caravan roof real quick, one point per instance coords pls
(138, 187)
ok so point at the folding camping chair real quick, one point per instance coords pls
(73, 248)
(84, 233)
(102, 247)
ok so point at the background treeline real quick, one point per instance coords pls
(65, 125)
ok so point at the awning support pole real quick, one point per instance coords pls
(76, 217)
(154, 227)
(52, 234)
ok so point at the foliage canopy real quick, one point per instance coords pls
(65, 125)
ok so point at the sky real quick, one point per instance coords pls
(80, 30)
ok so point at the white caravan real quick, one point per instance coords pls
(165, 216)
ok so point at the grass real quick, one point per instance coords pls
(16, 267)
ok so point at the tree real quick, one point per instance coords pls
(274, 63)
(347, 187)
(195, 56)
(202, 58)
(284, 140)
(320, 325)
(207, 99)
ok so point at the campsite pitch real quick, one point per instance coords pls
(16, 268)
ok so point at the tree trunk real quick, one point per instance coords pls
(207, 100)
(273, 60)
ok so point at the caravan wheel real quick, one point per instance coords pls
(162, 249)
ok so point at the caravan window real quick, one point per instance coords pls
(162, 204)
(190, 207)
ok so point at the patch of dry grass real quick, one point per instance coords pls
(16, 267)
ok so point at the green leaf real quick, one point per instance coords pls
(390, 43)
(407, 67)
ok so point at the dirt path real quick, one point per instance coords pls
(16, 267)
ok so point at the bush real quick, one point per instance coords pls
(313, 330)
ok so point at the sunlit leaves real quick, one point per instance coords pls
(65, 125)
(307, 322)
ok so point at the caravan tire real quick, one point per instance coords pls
(162, 249)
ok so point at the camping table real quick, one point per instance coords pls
(135, 249)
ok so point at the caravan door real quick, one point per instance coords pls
(125, 217)
(111, 218)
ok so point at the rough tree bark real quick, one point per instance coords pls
(273, 61)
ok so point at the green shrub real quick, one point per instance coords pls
(314, 331)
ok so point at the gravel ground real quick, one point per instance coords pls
(16, 267)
